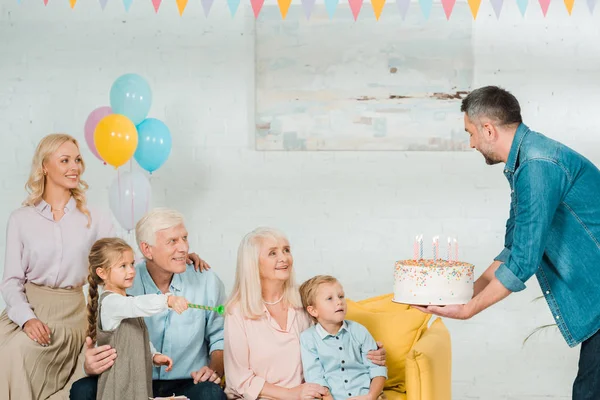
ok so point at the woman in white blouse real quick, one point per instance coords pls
(48, 240)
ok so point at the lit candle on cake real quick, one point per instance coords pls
(421, 247)
(449, 249)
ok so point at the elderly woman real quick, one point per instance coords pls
(263, 324)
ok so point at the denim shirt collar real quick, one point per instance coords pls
(513, 155)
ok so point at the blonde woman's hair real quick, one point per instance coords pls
(156, 220)
(247, 290)
(308, 290)
(104, 253)
(36, 184)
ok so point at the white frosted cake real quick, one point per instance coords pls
(433, 282)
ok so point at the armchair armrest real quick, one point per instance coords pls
(429, 365)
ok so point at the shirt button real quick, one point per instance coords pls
(345, 380)
(337, 338)
(349, 394)
(557, 317)
(342, 369)
(547, 292)
(343, 361)
(340, 348)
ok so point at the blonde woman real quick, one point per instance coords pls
(47, 242)
(263, 323)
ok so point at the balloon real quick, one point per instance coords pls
(116, 139)
(130, 96)
(154, 144)
(90, 126)
(129, 198)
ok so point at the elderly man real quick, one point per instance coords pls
(194, 339)
(553, 230)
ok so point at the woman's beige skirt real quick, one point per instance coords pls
(30, 371)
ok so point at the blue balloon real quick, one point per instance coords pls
(154, 144)
(130, 95)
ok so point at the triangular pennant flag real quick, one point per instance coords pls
(156, 4)
(257, 6)
(355, 6)
(403, 7)
(45, 2)
(426, 7)
(474, 5)
(127, 4)
(331, 5)
(591, 5)
(448, 5)
(522, 6)
(233, 6)
(206, 5)
(377, 7)
(497, 6)
(544, 4)
(72, 2)
(569, 5)
(103, 4)
(308, 5)
(284, 6)
(181, 4)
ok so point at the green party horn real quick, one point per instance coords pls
(220, 309)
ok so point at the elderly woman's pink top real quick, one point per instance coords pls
(259, 351)
(47, 252)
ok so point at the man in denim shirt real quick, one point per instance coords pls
(194, 339)
(553, 230)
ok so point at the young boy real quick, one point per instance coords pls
(334, 350)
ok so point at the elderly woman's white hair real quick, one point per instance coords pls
(247, 290)
(156, 220)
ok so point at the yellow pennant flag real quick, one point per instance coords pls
(284, 6)
(75, 1)
(474, 5)
(569, 5)
(377, 7)
(181, 4)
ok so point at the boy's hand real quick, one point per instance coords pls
(177, 303)
(161, 359)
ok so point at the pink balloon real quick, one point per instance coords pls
(90, 126)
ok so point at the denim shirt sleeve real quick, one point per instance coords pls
(508, 236)
(311, 364)
(214, 321)
(539, 187)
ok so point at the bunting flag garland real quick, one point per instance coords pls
(354, 5)
(474, 6)
(206, 5)
(233, 6)
(403, 7)
(284, 6)
(181, 4)
(308, 5)
(497, 6)
(377, 7)
(448, 6)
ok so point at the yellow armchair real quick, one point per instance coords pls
(419, 357)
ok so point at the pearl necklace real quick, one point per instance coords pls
(273, 303)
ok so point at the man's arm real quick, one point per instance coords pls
(485, 278)
(216, 362)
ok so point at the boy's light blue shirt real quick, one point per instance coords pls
(553, 230)
(340, 361)
(188, 338)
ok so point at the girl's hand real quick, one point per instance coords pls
(37, 331)
(177, 304)
(161, 359)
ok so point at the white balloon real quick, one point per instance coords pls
(129, 198)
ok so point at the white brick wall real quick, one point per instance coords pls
(347, 213)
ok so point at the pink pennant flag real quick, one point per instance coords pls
(45, 2)
(257, 6)
(355, 6)
(156, 4)
(206, 5)
(448, 6)
(497, 6)
(544, 4)
(103, 4)
(403, 7)
(308, 5)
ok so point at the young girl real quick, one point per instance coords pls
(116, 319)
